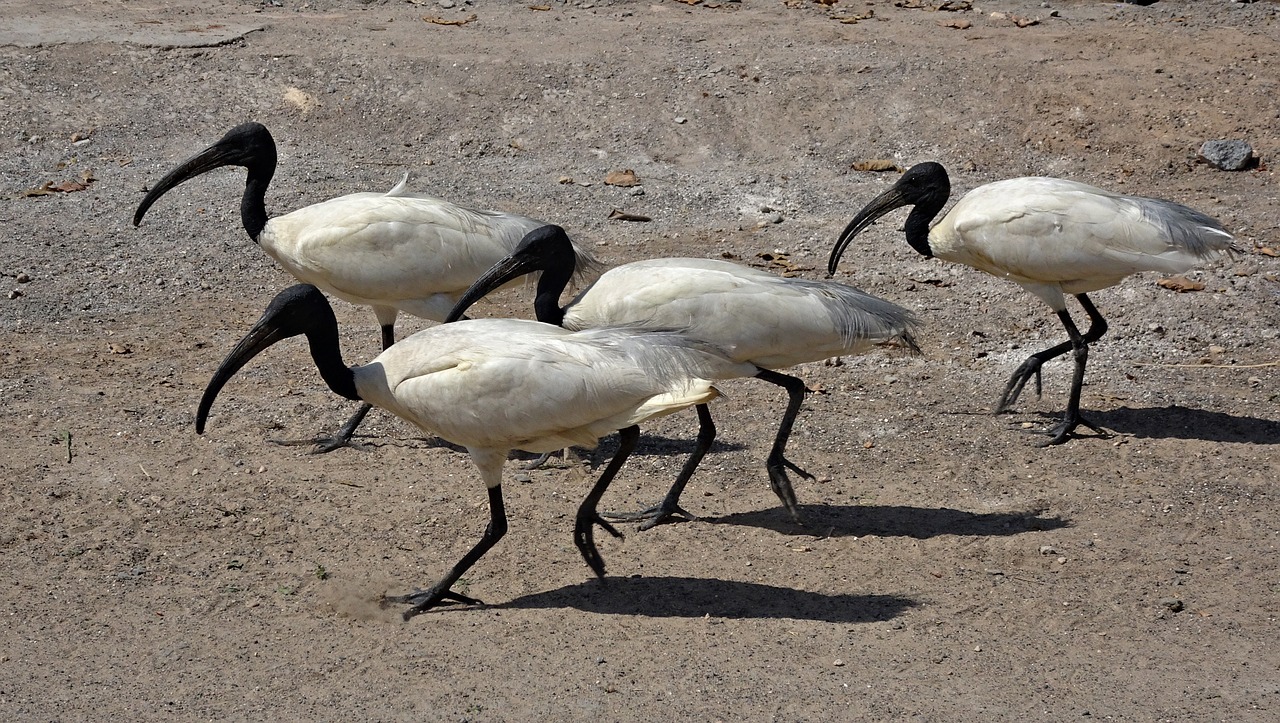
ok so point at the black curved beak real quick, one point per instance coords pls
(500, 273)
(263, 334)
(884, 203)
(248, 145)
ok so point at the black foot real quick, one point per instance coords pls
(781, 484)
(653, 516)
(424, 600)
(320, 444)
(1028, 369)
(569, 457)
(1064, 430)
(584, 539)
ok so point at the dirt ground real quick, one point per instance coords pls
(948, 569)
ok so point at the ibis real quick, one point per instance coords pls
(1052, 237)
(770, 321)
(493, 385)
(394, 251)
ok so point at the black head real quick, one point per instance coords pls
(299, 309)
(546, 249)
(249, 145)
(925, 186)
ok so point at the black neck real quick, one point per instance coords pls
(253, 204)
(546, 305)
(327, 355)
(917, 226)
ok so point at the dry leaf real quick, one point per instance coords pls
(1268, 251)
(622, 178)
(875, 164)
(443, 21)
(957, 24)
(1024, 22)
(619, 215)
(69, 186)
(851, 19)
(1180, 284)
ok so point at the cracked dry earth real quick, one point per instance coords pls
(948, 569)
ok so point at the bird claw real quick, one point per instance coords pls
(1013, 389)
(324, 445)
(781, 484)
(319, 444)
(1065, 430)
(570, 457)
(651, 517)
(584, 539)
(424, 600)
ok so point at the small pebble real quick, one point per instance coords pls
(22, 278)
(1172, 604)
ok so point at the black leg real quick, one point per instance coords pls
(1080, 348)
(588, 517)
(1031, 367)
(436, 594)
(777, 464)
(670, 505)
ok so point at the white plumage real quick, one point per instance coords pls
(766, 320)
(395, 251)
(493, 385)
(1053, 237)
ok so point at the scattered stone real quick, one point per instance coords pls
(22, 278)
(1227, 155)
(1172, 604)
(15, 294)
(1048, 550)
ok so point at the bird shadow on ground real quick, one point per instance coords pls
(687, 597)
(1175, 422)
(893, 521)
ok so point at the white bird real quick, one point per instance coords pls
(769, 321)
(393, 251)
(493, 385)
(1052, 237)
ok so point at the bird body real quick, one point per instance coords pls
(755, 316)
(758, 318)
(515, 384)
(1053, 237)
(497, 385)
(395, 251)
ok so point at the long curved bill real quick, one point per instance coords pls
(884, 203)
(500, 273)
(262, 335)
(241, 146)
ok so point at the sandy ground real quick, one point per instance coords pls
(948, 569)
